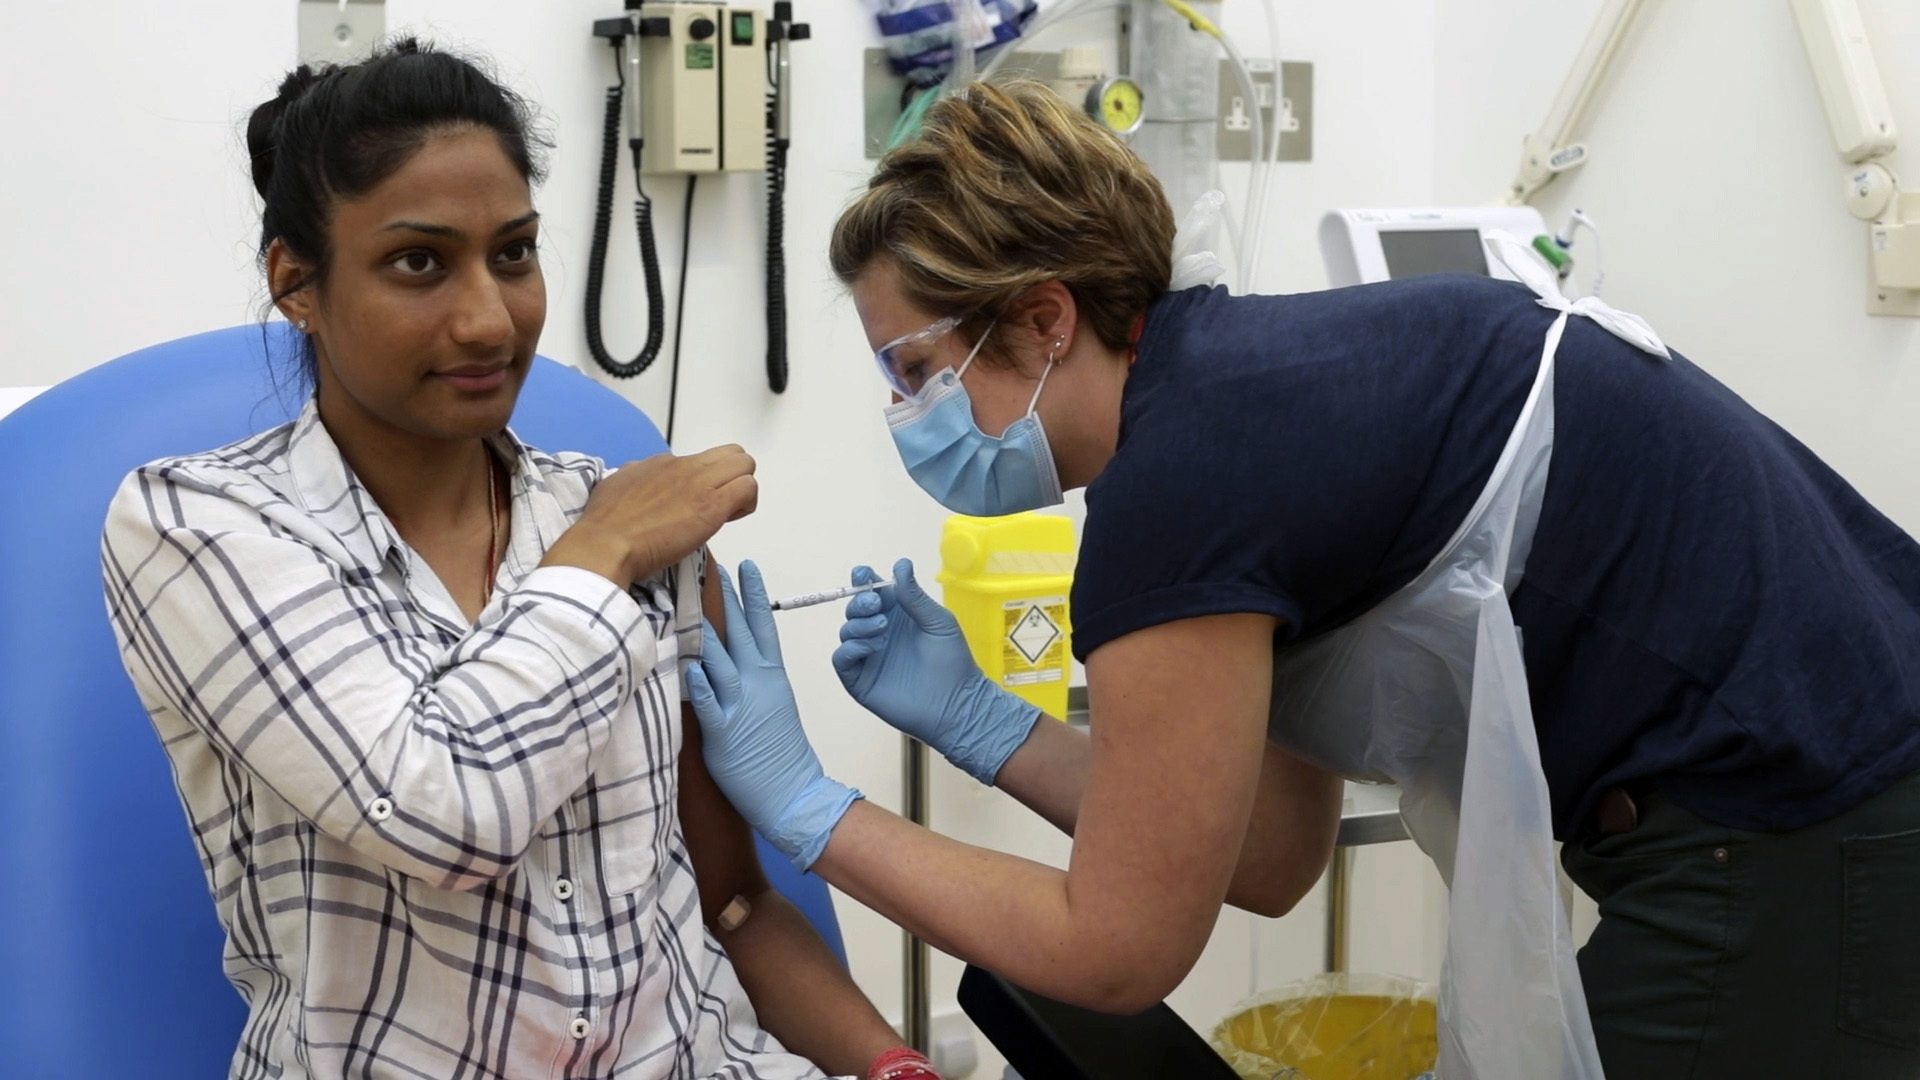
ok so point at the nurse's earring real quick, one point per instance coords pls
(302, 324)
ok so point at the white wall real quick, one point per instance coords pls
(1716, 181)
(12, 397)
(134, 222)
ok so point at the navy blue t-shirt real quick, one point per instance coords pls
(1708, 610)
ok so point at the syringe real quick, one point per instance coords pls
(828, 597)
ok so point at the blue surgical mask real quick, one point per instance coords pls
(964, 468)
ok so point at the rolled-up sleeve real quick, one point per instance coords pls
(439, 766)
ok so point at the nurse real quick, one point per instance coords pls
(1314, 523)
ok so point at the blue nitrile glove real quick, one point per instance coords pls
(903, 657)
(750, 730)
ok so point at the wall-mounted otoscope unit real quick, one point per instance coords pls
(700, 88)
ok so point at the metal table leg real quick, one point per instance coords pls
(1339, 887)
(916, 1009)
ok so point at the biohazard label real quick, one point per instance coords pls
(1035, 645)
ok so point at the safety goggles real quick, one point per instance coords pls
(908, 361)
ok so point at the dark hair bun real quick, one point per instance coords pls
(334, 131)
(262, 139)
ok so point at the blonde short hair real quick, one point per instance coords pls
(1006, 187)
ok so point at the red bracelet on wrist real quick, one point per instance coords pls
(902, 1063)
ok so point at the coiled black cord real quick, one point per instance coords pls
(603, 228)
(680, 306)
(776, 255)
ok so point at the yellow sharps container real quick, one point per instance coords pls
(1006, 580)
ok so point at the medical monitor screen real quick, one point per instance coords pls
(1413, 252)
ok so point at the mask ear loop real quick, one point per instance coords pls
(976, 349)
(1035, 400)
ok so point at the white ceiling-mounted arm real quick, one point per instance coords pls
(1550, 151)
(1864, 132)
(1848, 78)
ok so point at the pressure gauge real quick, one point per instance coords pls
(1118, 103)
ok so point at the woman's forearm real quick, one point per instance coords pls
(1289, 838)
(801, 993)
(1048, 773)
(1010, 915)
(1161, 820)
(351, 735)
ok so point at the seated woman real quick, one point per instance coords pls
(420, 683)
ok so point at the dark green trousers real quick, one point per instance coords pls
(1727, 955)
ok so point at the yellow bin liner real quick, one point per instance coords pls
(1334, 1027)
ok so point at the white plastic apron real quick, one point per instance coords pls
(1427, 690)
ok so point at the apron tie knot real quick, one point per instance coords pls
(1533, 273)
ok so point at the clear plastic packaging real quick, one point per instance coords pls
(1194, 261)
(1334, 1027)
(919, 35)
(1178, 69)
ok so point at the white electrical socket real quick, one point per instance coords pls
(1289, 123)
(1285, 101)
(1237, 118)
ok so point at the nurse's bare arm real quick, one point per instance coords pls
(1156, 842)
(798, 988)
(1296, 808)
